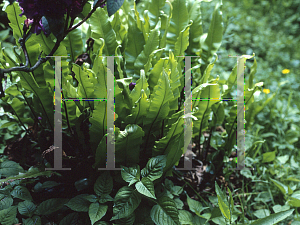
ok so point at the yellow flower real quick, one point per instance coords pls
(285, 71)
(266, 91)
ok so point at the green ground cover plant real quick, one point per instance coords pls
(149, 106)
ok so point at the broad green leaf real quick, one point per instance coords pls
(179, 20)
(73, 44)
(231, 81)
(127, 145)
(182, 42)
(43, 98)
(142, 59)
(47, 44)
(9, 168)
(21, 192)
(214, 37)
(19, 110)
(154, 8)
(223, 204)
(69, 113)
(16, 22)
(201, 109)
(155, 73)
(101, 154)
(101, 28)
(8, 124)
(119, 28)
(185, 217)
(139, 22)
(174, 77)
(96, 212)
(123, 98)
(269, 156)
(105, 198)
(50, 206)
(165, 212)
(101, 73)
(291, 136)
(8, 59)
(207, 72)
(126, 201)
(177, 190)
(262, 213)
(170, 140)
(70, 219)
(127, 6)
(292, 179)
(6, 201)
(31, 173)
(35, 220)
(154, 167)
(196, 28)
(140, 101)
(283, 188)
(131, 174)
(199, 220)
(207, 91)
(119, 61)
(279, 208)
(159, 102)
(274, 218)
(79, 203)
(49, 76)
(195, 206)
(168, 184)
(249, 94)
(179, 203)
(113, 6)
(104, 184)
(98, 122)
(101, 223)
(146, 25)
(130, 219)
(134, 47)
(26, 208)
(257, 108)
(294, 164)
(294, 200)
(219, 113)
(165, 24)
(217, 216)
(171, 145)
(33, 50)
(85, 86)
(86, 9)
(92, 198)
(146, 187)
(7, 216)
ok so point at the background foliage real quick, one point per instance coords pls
(270, 29)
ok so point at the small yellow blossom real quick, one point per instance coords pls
(285, 71)
(266, 91)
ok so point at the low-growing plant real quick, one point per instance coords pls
(149, 115)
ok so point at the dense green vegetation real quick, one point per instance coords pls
(144, 192)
